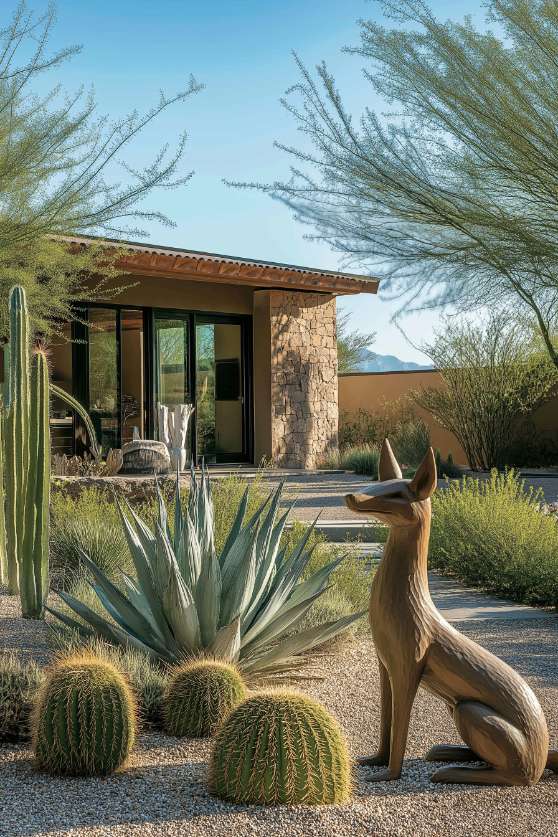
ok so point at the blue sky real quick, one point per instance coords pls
(241, 51)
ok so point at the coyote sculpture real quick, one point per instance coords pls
(495, 711)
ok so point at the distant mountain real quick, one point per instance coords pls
(373, 362)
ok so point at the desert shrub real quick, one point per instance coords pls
(19, 684)
(446, 468)
(492, 374)
(494, 534)
(88, 523)
(395, 420)
(350, 581)
(362, 459)
(91, 523)
(280, 747)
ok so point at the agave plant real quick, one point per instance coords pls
(242, 606)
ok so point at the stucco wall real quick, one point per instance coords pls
(171, 292)
(369, 391)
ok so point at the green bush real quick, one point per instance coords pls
(280, 748)
(362, 459)
(90, 523)
(493, 534)
(84, 718)
(19, 684)
(395, 420)
(199, 697)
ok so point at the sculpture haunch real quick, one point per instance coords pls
(495, 711)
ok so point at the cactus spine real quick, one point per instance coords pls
(84, 719)
(199, 696)
(17, 434)
(280, 747)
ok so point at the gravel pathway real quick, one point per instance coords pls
(163, 791)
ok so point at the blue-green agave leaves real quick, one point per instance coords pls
(243, 605)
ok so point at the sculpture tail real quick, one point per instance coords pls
(552, 761)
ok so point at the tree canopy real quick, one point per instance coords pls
(63, 171)
(453, 197)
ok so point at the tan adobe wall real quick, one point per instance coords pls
(369, 390)
(303, 378)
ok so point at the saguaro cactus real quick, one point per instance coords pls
(17, 434)
(27, 464)
(34, 554)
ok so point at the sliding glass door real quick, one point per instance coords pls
(126, 361)
(219, 391)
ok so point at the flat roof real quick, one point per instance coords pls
(178, 262)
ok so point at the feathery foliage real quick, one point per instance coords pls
(452, 197)
(19, 684)
(280, 747)
(84, 719)
(61, 174)
(491, 376)
(199, 696)
(496, 535)
(241, 605)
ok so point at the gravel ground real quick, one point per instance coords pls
(163, 791)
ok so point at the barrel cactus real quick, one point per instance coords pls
(280, 747)
(199, 696)
(84, 719)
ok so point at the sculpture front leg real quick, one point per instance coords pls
(403, 691)
(381, 758)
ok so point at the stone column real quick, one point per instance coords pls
(301, 377)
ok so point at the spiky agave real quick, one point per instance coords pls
(242, 606)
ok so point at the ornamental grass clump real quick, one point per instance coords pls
(280, 748)
(242, 604)
(84, 719)
(19, 684)
(495, 534)
(199, 697)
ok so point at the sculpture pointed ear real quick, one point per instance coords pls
(388, 468)
(423, 483)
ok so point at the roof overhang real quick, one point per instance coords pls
(146, 260)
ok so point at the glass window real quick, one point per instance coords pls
(103, 376)
(132, 402)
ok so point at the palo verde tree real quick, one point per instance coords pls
(63, 171)
(493, 373)
(454, 197)
(351, 343)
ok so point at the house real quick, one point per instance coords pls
(250, 344)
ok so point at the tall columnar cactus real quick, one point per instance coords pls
(35, 551)
(84, 719)
(280, 747)
(199, 697)
(3, 553)
(17, 434)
